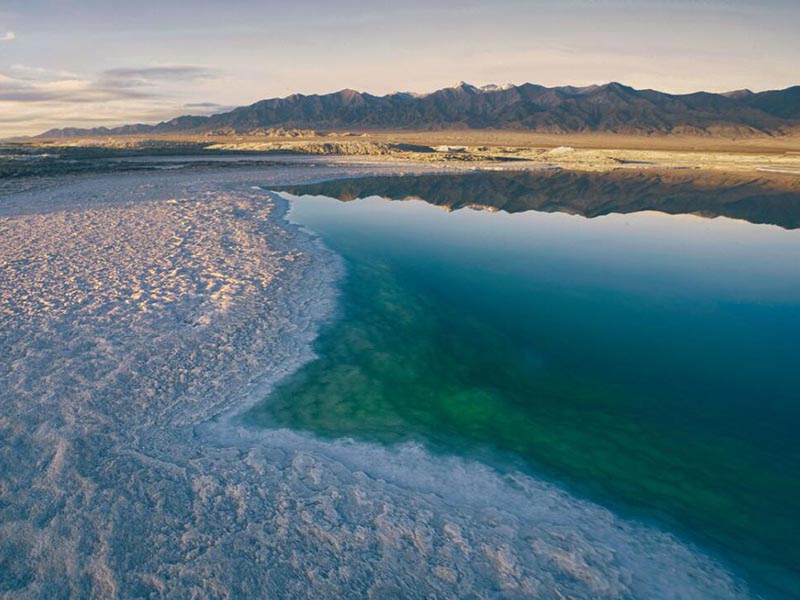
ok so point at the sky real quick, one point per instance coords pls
(91, 62)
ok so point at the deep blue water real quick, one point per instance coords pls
(647, 361)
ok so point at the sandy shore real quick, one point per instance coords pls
(136, 311)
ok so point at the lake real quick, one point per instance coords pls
(646, 361)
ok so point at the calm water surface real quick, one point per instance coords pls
(646, 361)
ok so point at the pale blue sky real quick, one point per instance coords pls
(95, 62)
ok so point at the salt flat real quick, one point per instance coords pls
(138, 313)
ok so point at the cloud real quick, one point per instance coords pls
(37, 98)
(206, 108)
(157, 73)
(8, 36)
(202, 105)
(33, 84)
(27, 72)
(66, 90)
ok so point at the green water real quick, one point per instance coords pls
(647, 362)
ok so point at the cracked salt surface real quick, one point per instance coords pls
(135, 311)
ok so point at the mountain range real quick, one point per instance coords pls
(612, 107)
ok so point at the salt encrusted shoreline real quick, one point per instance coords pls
(132, 309)
(135, 310)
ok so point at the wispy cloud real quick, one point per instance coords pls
(37, 98)
(160, 72)
(202, 105)
(8, 36)
(40, 73)
(14, 89)
(33, 84)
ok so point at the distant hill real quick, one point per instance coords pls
(612, 107)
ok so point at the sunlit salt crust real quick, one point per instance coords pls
(137, 314)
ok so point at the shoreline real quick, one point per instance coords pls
(236, 509)
(760, 156)
(329, 271)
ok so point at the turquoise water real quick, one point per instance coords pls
(645, 361)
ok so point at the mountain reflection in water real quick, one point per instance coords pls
(766, 199)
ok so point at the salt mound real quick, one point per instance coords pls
(561, 151)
